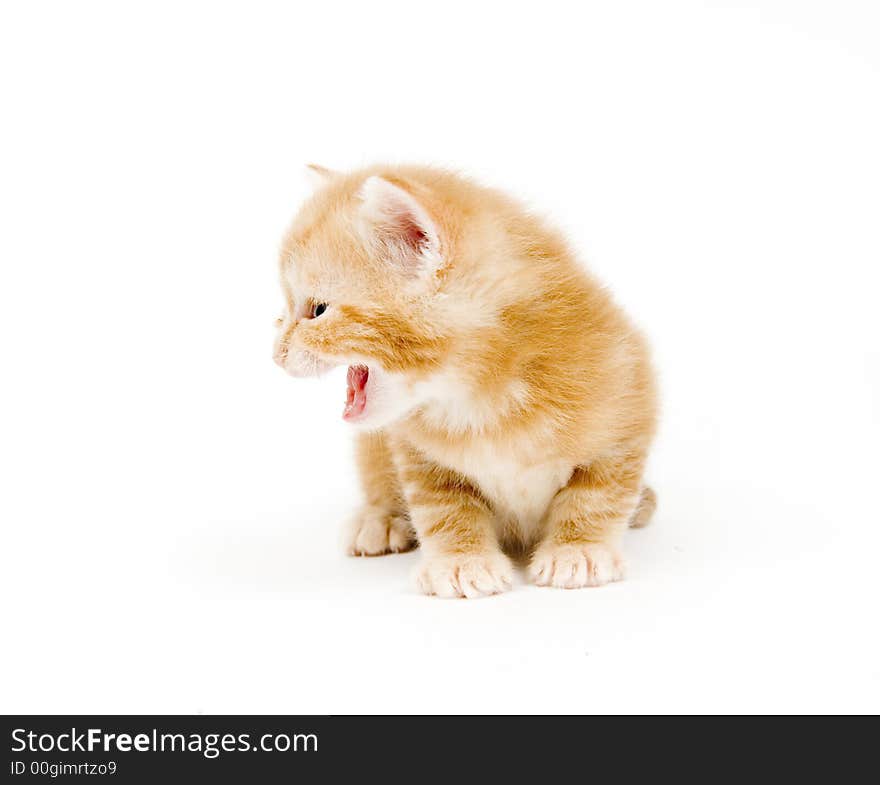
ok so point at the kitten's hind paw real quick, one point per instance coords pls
(374, 532)
(575, 566)
(465, 575)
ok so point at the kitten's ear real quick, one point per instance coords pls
(405, 233)
(319, 176)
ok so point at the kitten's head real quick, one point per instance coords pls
(362, 270)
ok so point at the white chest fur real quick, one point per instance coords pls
(519, 493)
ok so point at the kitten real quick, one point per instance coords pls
(504, 403)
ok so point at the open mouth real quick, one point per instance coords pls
(356, 394)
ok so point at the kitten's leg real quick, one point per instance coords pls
(382, 524)
(585, 524)
(456, 531)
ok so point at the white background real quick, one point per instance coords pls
(171, 501)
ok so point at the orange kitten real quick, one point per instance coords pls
(503, 401)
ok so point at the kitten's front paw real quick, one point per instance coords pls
(465, 575)
(575, 566)
(374, 531)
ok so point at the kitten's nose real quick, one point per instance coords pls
(280, 356)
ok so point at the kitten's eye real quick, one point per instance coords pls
(318, 309)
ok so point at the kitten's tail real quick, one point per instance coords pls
(645, 509)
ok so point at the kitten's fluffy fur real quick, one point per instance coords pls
(509, 404)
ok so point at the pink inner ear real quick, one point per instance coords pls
(410, 232)
(400, 223)
(402, 226)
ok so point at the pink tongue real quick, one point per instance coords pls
(356, 395)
